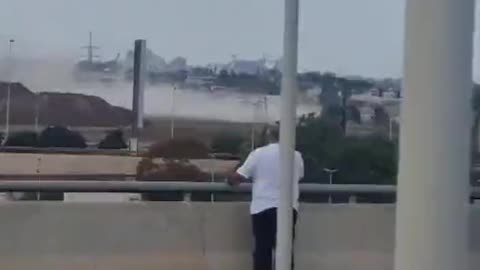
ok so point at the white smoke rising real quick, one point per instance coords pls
(55, 75)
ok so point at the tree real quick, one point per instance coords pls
(113, 140)
(311, 76)
(365, 160)
(333, 114)
(223, 75)
(319, 141)
(23, 139)
(329, 95)
(360, 85)
(58, 136)
(227, 143)
(369, 160)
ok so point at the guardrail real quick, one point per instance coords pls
(148, 186)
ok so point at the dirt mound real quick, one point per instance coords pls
(63, 109)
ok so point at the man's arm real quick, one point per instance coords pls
(244, 172)
(236, 179)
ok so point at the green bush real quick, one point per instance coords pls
(369, 160)
(58, 136)
(362, 160)
(23, 139)
(113, 140)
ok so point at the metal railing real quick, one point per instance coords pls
(148, 186)
(94, 186)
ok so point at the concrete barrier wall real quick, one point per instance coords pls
(13, 163)
(199, 236)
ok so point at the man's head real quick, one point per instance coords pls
(273, 134)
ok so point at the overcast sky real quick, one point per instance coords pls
(361, 37)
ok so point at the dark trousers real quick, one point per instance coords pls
(265, 233)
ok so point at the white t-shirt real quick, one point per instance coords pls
(263, 167)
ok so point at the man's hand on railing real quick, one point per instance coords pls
(235, 179)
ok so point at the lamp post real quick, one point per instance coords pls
(330, 173)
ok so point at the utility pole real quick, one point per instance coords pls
(330, 173)
(139, 71)
(9, 91)
(90, 49)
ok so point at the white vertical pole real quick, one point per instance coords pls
(432, 207)
(287, 136)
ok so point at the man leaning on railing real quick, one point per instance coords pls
(263, 167)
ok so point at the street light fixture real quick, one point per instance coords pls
(330, 173)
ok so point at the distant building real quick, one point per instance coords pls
(367, 113)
